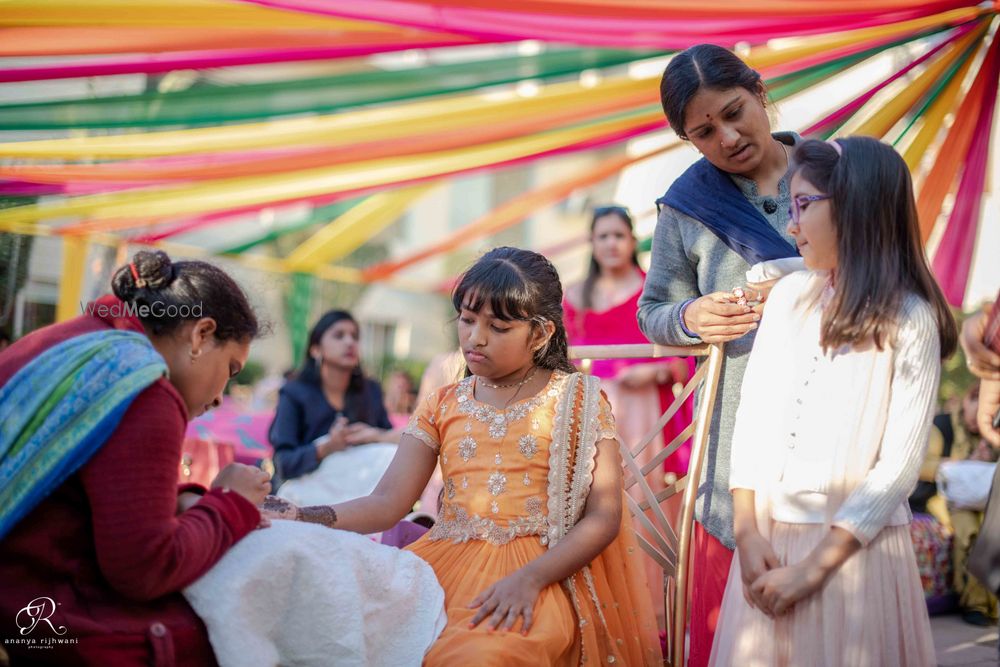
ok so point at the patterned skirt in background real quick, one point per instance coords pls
(932, 546)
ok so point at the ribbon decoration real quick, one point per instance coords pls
(350, 230)
(670, 25)
(214, 104)
(952, 261)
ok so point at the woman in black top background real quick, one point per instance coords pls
(330, 405)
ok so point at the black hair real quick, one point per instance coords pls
(176, 292)
(310, 370)
(519, 285)
(704, 66)
(594, 269)
(880, 257)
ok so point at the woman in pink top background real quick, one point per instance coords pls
(601, 310)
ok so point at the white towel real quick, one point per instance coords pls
(774, 268)
(341, 476)
(300, 594)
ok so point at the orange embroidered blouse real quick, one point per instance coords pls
(495, 462)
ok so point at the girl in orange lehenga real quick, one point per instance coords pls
(531, 536)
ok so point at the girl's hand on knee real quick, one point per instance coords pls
(514, 595)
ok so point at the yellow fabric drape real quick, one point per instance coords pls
(74, 263)
(375, 124)
(934, 118)
(882, 121)
(177, 13)
(144, 205)
(350, 230)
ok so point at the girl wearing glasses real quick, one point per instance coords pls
(823, 460)
(726, 213)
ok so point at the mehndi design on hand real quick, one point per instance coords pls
(321, 514)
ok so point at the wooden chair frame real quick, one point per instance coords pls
(670, 548)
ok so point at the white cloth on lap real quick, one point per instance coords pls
(303, 594)
(341, 476)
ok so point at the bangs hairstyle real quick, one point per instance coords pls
(518, 285)
(880, 257)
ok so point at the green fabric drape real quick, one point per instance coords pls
(298, 303)
(213, 104)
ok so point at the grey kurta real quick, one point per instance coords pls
(688, 261)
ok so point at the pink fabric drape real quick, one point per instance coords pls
(673, 32)
(152, 64)
(953, 259)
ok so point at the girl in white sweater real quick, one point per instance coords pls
(832, 426)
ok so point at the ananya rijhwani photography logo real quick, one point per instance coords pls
(35, 627)
(143, 310)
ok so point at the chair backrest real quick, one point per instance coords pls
(667, 542)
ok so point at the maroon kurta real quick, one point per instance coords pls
(107, 546)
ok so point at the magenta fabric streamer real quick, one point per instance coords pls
(672, 32)
(12, 188)
(953, 259)
(151, 64)
(842, 114)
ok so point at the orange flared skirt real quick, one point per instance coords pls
(612, 621)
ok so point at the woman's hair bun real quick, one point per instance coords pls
(150, 270)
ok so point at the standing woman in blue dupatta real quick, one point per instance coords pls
(727, 213)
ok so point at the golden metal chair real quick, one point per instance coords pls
(669, 546)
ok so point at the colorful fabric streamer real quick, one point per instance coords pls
(951, 155)
(214, 104)
(652, 29)
(953, 259)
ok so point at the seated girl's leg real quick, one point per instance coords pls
(552, 639)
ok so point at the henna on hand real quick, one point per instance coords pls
(321, 514)
(278, 508)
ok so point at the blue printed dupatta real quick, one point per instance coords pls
(57, 411)
(707, 194)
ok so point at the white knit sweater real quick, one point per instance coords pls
(834, 437)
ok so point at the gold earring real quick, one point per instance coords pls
(193, 355)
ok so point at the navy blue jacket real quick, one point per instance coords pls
(304, 414)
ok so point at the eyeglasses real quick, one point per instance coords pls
(796, 209)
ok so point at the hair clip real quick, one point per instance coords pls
(837, 147)
(139, 282)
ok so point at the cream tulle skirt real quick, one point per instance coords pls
(871, 613)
